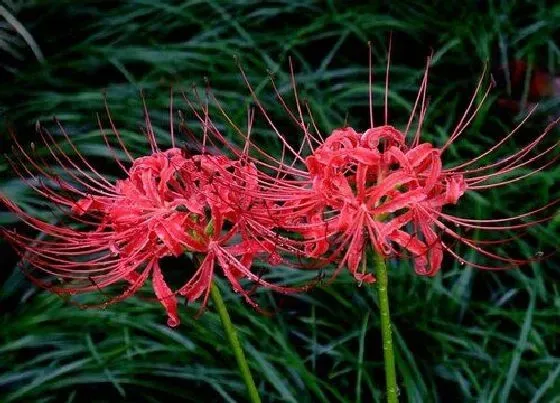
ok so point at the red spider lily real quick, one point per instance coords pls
(386, 189)
(168, 204)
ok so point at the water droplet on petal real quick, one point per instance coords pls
(114, 250)
(172, 322)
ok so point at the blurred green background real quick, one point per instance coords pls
(465, 335)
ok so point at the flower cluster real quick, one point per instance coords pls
(385, 190)
(169, 204)
(380, 190)
(370, 186)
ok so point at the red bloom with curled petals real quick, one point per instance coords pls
(365, 189)
(168, 204)
(387, 190)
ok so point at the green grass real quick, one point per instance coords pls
(465, 335)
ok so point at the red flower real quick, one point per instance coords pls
(168, 204)
(385, 189)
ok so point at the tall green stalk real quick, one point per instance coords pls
(388, 354)
(231, 334)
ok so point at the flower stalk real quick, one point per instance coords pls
(386, 334)
(233, 339)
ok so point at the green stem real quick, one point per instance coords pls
(231, 334)
(389, 355)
